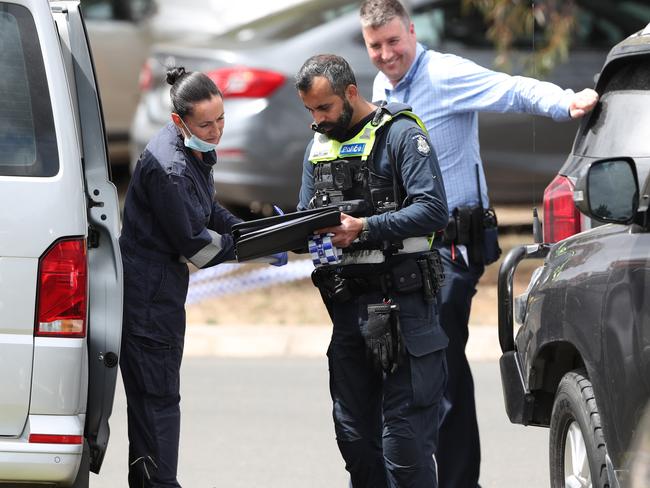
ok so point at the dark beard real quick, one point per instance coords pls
(338, 130)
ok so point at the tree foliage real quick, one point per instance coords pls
(548, 23)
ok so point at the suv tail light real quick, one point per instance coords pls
(245, 82)
(561, 217)
(62, 290)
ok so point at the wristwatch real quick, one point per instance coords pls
(364, 235)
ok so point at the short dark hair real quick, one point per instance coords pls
(333, 68)
(188, 88)
(377, 13)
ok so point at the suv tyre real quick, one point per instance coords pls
(577, 448)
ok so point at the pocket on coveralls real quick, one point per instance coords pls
(159, 271)
(157, 364)
(425, 343)
(428, 377)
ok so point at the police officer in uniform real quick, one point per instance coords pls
(170, 217)
(387, 352)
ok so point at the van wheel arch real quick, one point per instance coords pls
(550, 365)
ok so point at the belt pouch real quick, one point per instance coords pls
(406, 276)
(491, 249)
(475, 249)
(436, 268)
(463, 219)
(430, 283)
(449, 234)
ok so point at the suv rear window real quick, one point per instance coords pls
(619, 124)
(27, 138)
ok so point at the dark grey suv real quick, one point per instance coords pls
(580, 361)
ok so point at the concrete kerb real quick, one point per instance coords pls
(247, 341)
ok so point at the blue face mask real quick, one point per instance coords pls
(195, 143)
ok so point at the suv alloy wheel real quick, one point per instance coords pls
(577, 446)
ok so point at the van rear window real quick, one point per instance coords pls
(27, 137)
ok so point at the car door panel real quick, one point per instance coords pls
(626, 335)
(104, 262)
(566, 303)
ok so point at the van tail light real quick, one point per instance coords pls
(62, 290)
(55, 439)
(145, 79)
(242, 82)
(561, 217)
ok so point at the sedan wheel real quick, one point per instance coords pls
(577, 450)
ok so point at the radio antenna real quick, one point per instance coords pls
(537, 228)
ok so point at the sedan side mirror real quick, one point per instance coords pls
(608, 191)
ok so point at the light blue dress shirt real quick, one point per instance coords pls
(447, 92)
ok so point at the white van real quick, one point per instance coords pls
(60, 267)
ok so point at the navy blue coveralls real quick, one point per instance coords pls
(387, 424)
(170, 213)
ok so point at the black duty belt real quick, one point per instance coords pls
(476, 228)
(409, 274)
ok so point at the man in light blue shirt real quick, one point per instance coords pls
(447, 92)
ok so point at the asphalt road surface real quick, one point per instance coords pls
(267, 423)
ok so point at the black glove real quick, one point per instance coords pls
(383, 336)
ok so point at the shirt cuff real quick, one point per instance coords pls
(371, 224)
(562, 110)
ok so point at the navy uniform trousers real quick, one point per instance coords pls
(387, 425)
(153, 332)
(459, 456)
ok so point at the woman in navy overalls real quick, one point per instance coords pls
(170, 217)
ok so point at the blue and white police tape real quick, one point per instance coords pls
(323, 251)
(214, 272)
(201, 289)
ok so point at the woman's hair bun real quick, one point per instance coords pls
(173, 74)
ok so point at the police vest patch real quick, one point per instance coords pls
(422, 145)
(352, 149)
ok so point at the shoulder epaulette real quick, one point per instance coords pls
(395, 108)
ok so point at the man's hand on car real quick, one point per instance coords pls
(583, 102)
